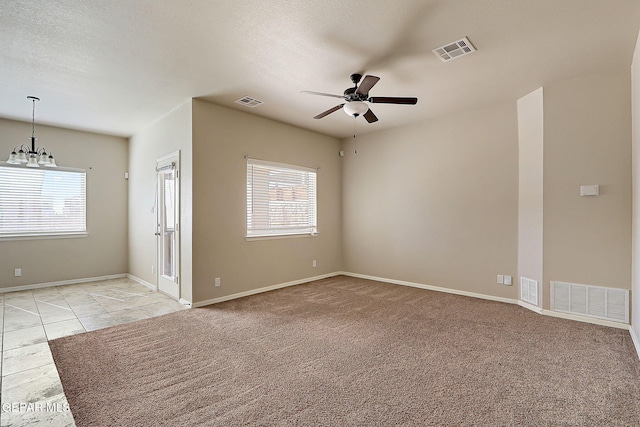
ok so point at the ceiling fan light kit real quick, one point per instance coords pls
(356, 98)
(355, 108)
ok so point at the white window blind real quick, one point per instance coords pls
(281, 199)
(39, 202)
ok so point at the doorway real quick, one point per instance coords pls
(168, 224)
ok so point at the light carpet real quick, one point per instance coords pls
(352, 352)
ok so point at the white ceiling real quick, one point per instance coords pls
(116, 66)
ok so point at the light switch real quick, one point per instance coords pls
(589, 190)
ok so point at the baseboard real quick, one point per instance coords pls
(584, 319)
(431, 288)
(494, 298)
(61, 283)
(261, 290)
(635, 339)
(142, 282)
(530, 306)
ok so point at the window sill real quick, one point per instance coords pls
(43, 236)
(280, 236)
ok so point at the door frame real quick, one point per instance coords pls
(162, 163)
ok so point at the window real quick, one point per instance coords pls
(42, 202)
(281, 199)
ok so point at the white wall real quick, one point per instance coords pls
(104, 251)
(530, 185)
(170, 133)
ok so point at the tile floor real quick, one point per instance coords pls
(31, 392)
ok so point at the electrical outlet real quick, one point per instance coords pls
(217, 281)
(315, 264)
(17, 272)
(500, 279)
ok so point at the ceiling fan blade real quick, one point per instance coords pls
(393, 100)
(370, 116)
(309, 92)
(367, 84)
(329, 111)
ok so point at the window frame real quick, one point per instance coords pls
(260, 233)
(51, 233)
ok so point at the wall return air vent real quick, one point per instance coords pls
(590, 301)
(454, 50)
(529, 291)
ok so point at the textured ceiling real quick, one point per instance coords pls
(116, 66)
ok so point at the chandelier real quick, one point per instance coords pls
(32, 157)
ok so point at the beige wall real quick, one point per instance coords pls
(635, 286)
(530, 186)
(104, 251)
(587, 132)
(436, 203)
(221, 139)
(168, 134)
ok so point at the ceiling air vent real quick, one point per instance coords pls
(248, 101)
(454, 50)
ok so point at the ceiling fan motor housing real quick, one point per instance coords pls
(351, 95)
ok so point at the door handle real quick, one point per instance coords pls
(157, 234)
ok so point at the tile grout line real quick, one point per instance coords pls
(74, 313)
(104, 296)
(25, 310)
(53, 305)
(93, 296)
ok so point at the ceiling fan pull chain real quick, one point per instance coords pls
(355, 141)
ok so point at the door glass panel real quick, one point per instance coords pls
(168, 187)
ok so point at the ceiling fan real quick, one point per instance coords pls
(357, 98)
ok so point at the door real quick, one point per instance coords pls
(168, 224)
